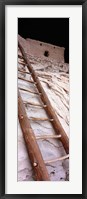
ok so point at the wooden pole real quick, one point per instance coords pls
(27, 90)
(49, 109)
(48, 136)
(34, 153)
(26, 80)
(57, 159)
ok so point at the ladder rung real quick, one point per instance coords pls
(22, 63)
(23, 89)
(48, 136)
(24, 72)
(40, 119)
(26, 80)
(57, 159)
(35, 104)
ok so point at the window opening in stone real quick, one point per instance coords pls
(46, 53)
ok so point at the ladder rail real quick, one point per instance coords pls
(34, 152)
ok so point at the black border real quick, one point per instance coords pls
(2, 96)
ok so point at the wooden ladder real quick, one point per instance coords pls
(38, 164)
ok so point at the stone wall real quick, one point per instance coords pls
(46, 51)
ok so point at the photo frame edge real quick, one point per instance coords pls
(2, 103)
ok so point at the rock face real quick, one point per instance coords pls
(54, 77)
